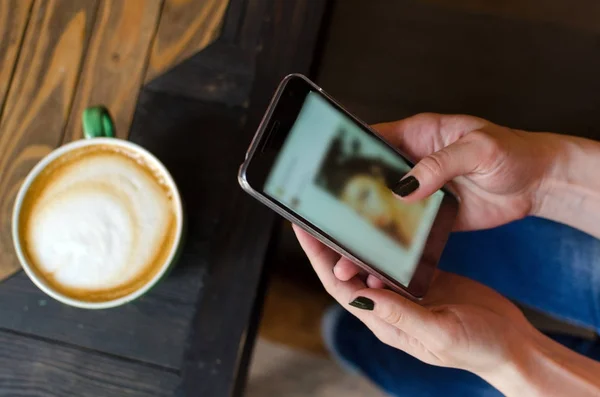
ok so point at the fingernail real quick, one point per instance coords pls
(406, 186)
(363, 303)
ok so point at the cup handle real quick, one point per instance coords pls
(97, 123)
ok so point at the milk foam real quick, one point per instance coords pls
(99, 223)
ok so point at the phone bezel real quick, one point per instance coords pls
(257, 164)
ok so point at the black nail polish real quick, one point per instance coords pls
(363, 303)
(406, 186)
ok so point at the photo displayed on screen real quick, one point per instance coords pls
(337, 177)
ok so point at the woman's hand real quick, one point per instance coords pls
(460, 323)
(500, 175)
(496, 171)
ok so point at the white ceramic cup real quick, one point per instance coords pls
(92, 140)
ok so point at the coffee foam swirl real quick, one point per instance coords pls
(99, 225)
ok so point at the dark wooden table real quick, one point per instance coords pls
(192, 335)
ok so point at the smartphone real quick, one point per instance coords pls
(323, 169)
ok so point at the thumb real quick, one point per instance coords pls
(435, 170)
(394, 309)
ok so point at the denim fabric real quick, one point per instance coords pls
(540, 263)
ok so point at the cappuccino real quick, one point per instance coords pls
(98, 223)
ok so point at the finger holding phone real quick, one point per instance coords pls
(500, 175)
(322, 168)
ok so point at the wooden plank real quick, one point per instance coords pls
(525, 74)
(39, 100)
(13, 20)
(582, 14)
(151, 329)
(33, 367)
(236, 12)
(186, 27)
(224, 71)
(221, 73)
(115, 62)
(217, 358)
(175, 129)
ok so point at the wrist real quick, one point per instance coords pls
(511, 377)
(555, 156)
(539, 366)
(569, 189)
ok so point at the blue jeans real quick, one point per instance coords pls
(539, 263)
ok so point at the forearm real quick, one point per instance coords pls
(570, 191)
(543, 367)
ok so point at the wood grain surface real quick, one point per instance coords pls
(136, 349)
(175, 129)
(115, 62)
(61, 370)
(581, 14)
(241, 239)
(13, 20)
(224, 71)
(221, 73)
(39, 100)
(527, 74)
(185, 27)
(150, 330)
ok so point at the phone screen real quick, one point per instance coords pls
(337, 176)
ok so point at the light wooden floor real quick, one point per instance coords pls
(280, 370)
(58, 57)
